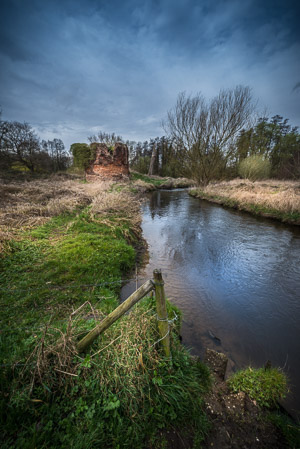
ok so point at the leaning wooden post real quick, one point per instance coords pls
(161, 308)
(113, 316)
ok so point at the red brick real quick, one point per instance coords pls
(109, 164)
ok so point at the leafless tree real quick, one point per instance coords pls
(108, 138)
(19, 142)
(205, 132)
(56, 150)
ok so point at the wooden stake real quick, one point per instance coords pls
(114, 315)
(162, 315)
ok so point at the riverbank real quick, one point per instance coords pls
(275, 199)
(144, 183)
(67, 246)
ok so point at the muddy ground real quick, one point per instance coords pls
(236, 421)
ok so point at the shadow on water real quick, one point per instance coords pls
(235, 277)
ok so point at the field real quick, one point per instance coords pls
(25, 205)
(66, 248)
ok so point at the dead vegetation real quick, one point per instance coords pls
(28, 204)
(55, 359)
(113, 202)
(143, 186)
(283, 196)
(118, 207)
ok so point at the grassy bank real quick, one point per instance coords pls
(144, 183)
(274, 199)
(67, 244)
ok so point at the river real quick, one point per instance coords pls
(235, 277)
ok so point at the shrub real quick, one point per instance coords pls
(265, 386)
(83, 154)
(255, 167)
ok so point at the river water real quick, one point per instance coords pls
(235, 277)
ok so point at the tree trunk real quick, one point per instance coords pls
(152, 161)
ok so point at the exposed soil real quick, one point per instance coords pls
(236, 421)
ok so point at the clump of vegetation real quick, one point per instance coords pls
(156, 181)
(277, 141)
(265, 386)
(148, 183)
(255, 167)
(83, 154)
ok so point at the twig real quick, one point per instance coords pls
(136, 277)
(64, 372)
(79, 308)
(98, 352)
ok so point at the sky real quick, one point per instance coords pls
(71, 68)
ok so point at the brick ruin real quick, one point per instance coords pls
(109, 164)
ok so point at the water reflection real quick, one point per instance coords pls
(235, 277)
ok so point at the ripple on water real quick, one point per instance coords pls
(233, 275)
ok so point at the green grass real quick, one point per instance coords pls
(122, 391)
(265, 386)
(148, 179)
(290, 430)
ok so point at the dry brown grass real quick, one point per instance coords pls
(142, 186)
(283, 196)
(25, 205)
(121, 202)
(122, 206)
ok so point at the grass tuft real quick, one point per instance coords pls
(265, 386)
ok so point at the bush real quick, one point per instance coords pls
(254, 167)
(83, 154)
(265, 386)
(142, 164)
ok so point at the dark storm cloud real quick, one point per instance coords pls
(71, 67)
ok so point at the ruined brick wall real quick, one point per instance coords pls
(109, 165)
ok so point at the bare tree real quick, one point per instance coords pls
(56, 150)
(204, 132)
(19, 142)
(108, 138)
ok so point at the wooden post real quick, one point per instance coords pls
(114, 315)
(162, 315)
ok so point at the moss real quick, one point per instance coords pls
(83, 154)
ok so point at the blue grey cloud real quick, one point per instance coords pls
(71, 67)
